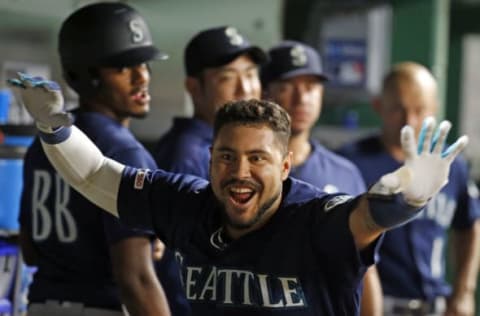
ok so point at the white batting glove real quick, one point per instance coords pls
(43, 100)
(426, 166)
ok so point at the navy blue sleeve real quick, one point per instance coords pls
(114, 229)
(468, 204)
(334, 242)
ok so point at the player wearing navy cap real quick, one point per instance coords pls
(79, 251)
(220, 65)
(412, 261)
(294, 78)
(252, 241)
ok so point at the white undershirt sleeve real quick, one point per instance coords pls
(86, 169)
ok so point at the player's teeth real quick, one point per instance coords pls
(241, 190)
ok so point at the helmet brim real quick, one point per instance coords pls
(302, 71)
(134, 56)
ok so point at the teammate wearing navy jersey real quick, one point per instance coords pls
(412, 263)
(294, 78)
(220, 65)
(253, 241)
(78, 250)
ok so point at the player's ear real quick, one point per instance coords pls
(193, 86)
(287, 165)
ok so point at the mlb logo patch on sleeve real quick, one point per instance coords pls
(336, 200)
(139, 179)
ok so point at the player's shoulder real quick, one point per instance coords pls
(181, 182)
(103, 129)
(334, 160)
(302, 196)
(185, 137)
(188, 129)
(108, 134)
(365, 145)
(35, 156)
(300, 192)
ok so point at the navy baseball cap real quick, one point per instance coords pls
(291, 58)
(218, 46)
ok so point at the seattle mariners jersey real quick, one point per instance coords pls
(329, 172)
(185, 147)
(412, 258)
(287, 267)
(72, 235)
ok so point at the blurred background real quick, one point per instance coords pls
(357, 39)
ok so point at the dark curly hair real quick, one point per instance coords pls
(255, 112)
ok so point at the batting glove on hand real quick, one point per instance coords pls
(43, 100)
(426, 166)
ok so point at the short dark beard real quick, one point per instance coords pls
(262, 210)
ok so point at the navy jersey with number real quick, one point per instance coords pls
(329, 172)
(412, 257)
(185, 147)
(302, 262)
(71, 235)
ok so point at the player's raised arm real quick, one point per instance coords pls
(69, 150)
(399, 196)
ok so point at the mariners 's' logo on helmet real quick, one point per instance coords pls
(299, 56)
(136, 28)
(235, 38)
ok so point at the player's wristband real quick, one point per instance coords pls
(389, 211)
(57, 136)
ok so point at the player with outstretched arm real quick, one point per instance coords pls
(252, 240)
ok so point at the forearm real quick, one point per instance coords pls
(143, 298)
(83, 166)
(467, 254)
(135, 275)
(372, 298)
(362, 225)
(375, 214)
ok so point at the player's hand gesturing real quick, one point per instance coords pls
(43, 100)
(427, 164)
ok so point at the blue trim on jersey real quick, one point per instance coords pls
(57, 137)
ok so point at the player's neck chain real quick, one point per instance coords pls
(217, 241)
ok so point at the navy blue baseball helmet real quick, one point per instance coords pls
(103, 35)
